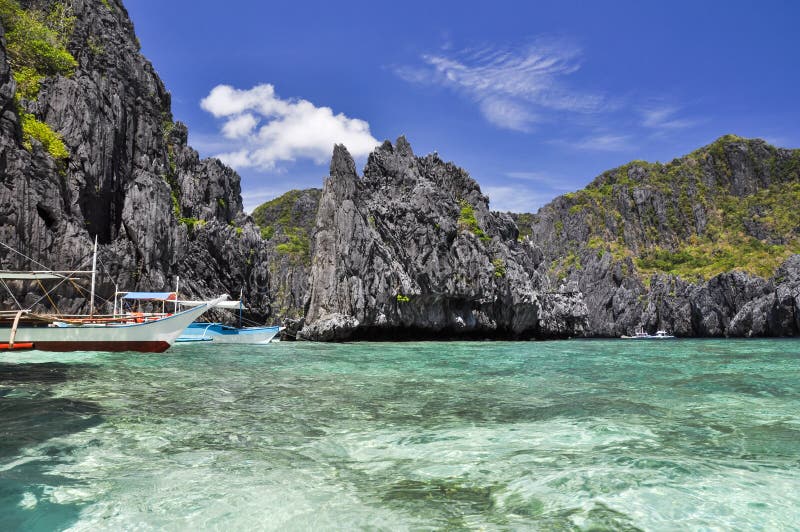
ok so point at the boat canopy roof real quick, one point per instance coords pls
(221, 304)
(151, 296)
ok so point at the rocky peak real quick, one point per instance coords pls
(342, 164)
(414, 250)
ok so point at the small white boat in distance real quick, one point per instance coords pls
(641, 335)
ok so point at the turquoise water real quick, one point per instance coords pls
(701, 435)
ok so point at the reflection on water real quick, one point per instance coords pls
(545, 435)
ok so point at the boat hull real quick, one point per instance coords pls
(149, 337)
(222, 334)
(140, 346)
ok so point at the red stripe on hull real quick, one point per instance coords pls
(141, 346)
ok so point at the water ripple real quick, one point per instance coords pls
(602, 435)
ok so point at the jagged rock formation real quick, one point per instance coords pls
(690, 246)
(411, 250)
(157, 210)
(703, 246)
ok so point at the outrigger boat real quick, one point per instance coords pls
(225, 334)
(220, 333)
(26, 329)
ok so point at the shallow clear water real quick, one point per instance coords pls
(535, 435)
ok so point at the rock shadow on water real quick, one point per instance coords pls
(29, 373)
(30, 416)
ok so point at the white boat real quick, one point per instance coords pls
(45, 332)
(152, 332)
(226, 334)
(641, 335)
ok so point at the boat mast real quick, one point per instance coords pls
(241, 292)
(94, 274)
(116, 293)
(177, 285)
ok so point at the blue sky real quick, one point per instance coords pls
(533, 99)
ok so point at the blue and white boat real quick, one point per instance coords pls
(225, 334)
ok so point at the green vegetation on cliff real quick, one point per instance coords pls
(36, 44)
(36, 129)
(730, 205)
(468, 222)
(288, 220)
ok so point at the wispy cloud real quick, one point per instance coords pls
(662, 118)
(542, 179)
(599, 142)
(781, 142)
(514, 88)
(515, 199)
(267, 129)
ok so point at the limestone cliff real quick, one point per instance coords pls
(127, 176)
(702, 246)
(411, 250)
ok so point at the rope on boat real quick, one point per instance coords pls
(47, 292)
(50, 299)
(10, 292)
(23, 255)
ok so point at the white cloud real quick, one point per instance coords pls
(236, 159)
(270, 129)
(512, 87)
(239, 126)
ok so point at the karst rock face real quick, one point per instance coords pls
(728, 201)
(131, 180)
(412, 250)
(409, 249)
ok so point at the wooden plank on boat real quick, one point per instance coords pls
(14, 329)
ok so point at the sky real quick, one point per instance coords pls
(533, 99)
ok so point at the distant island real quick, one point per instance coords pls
(705, 245)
